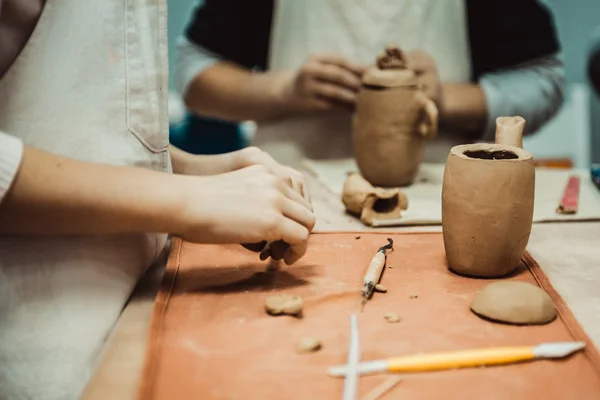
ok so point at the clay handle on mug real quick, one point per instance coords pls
(428, 128)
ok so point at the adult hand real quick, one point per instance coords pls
(427, 74)
(323, 82)
(250, 205)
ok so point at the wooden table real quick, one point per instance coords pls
(567, 252)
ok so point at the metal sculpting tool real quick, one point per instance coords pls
(463, 359)
(351, 368)
(374, 272)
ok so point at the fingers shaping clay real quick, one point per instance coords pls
(517, 303)
(284, 304)
(308, 345)
(392, 122)
(372, 203)
(487, 208)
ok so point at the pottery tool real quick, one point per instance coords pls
(351, 368)
(374, 272)
(463, 359)
(570, 200)
(382, 389)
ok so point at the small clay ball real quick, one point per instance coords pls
(518, 303)
(392, 318)
(284, 304)
(308, 345)
(380, 288)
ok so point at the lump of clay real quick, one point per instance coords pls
(284, 304)
(392, 318)
(380, 288)
(308, 345)
(372, 203)
(518, 303)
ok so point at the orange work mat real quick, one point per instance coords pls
(210, 337)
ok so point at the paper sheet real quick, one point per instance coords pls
(424, 196)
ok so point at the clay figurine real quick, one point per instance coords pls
(392, 122)
(372, 203)
(519, 303)
(487, 208)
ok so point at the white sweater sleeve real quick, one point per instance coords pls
(191, 60)
(11, 153)
(534, 90)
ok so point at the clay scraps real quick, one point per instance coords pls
(372, 203)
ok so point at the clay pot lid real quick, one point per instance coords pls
(390, 70)
(374, 76)
(490, 152)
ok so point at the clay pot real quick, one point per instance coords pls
(487, 208)
(372, 203)
(392, 122)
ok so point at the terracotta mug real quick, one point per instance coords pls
(392, 122)
(487, 208)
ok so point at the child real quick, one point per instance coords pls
(86, 193)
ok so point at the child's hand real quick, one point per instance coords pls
(249, 205)
(202, 165)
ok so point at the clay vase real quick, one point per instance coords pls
(392, 122)
(372, 203)
(487, 208)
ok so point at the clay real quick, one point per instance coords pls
(372, 203)
(392, 122)
(414, 296)
(392, 318)
(380, 288)
(518, 303)
(284, 304)
(308, 345)
(509, 131)
(487, 208)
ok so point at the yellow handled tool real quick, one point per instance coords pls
(464, 359)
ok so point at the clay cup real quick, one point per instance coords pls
(487, 208)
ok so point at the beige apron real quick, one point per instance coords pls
(359, 30)
(90, 84)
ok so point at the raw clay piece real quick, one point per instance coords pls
(509, 131)
(392, 318)
(380, 288)
(487, 208)
(308, 345)
(372, 203)
(393, 121)
(518, 303)
(284, 304)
